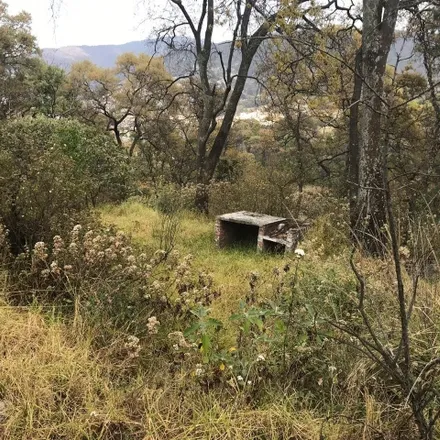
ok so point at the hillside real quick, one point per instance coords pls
(105, 55)
(180, 64)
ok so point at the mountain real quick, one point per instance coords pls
(103, 55)
(180, 63)
(176, 63)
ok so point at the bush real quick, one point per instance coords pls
(51, 172)
(113, 285)
(269, 190)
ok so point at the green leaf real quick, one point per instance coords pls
(206, 347)
(192, 329)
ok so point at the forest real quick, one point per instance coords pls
(120, 317)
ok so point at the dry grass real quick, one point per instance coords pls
(54, 386)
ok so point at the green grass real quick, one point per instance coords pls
(55, 383)
(230, 267)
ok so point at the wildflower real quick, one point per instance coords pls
(40, 250)
(181, 342)
(261, 357)
(93, 414)
(89, 236)
(153, 325)
(77, 228)
(240, 378)
(299, 253)
(73, 247)
(100, 255)
(58, 244)
(404, 252)
(199, 370)
(249, 382)
(45, 273)
(133, 346)
(254, 275)
(54, 268)
(160, 255)
(110, 254)
(156, 285)
(132, 269)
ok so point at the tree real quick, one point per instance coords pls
(122, 99)
(50, 94)
(379, 22)
(250, 23)
(425, 24)
(18, 51)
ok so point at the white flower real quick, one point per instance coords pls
(93, 414)
(249, 382)
(240, 378)
(261, 357)
(54, 267)
(299, 252)
(199, 370)
(133, 346)
(152, 325)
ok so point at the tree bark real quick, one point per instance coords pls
(353, 147)
(379, 21)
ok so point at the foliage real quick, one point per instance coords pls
(125, 100)
(18, 50)
(51, 171)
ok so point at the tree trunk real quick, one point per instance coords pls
(379, 21)
(352, 172)
(202, 198)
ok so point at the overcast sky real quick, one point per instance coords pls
(80, 22)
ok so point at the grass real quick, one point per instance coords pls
(230, 268)
(53, 385)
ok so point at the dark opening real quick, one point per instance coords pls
(273, 247)
(239, 234)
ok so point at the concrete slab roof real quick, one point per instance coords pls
(250, 218)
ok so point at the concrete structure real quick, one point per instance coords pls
(267, 233)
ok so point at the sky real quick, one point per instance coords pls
(85, 22)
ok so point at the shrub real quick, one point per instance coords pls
(266, 189)
(113, 285)
(51, 171)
